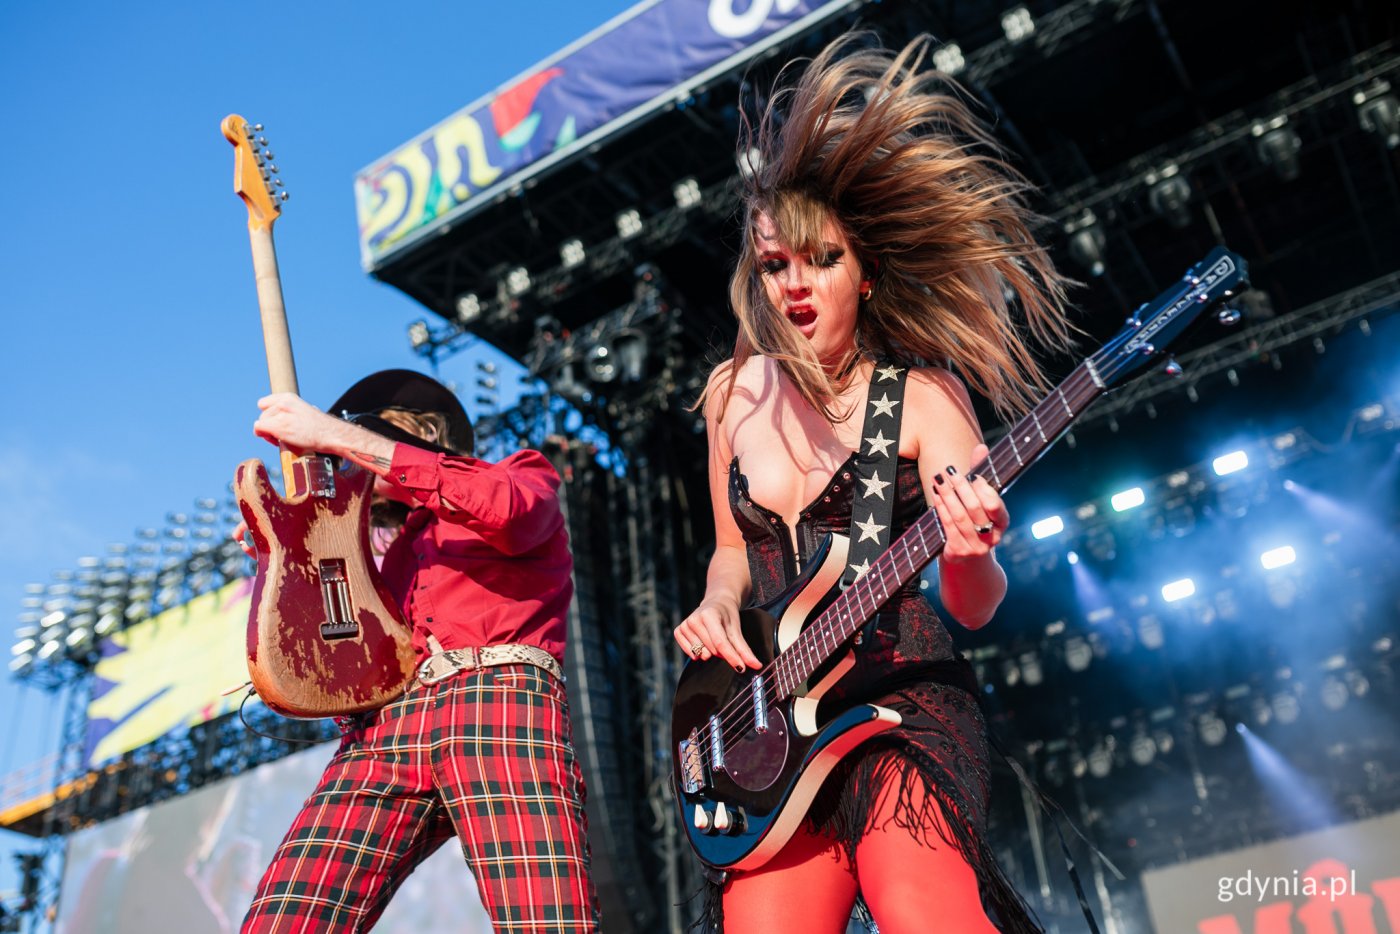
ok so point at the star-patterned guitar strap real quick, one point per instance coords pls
(876, 488)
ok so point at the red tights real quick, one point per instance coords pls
(912, 886)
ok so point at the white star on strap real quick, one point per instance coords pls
(868, 529)
(880, 443)
(883, 405)
(861, 568)
(874, 486)
(888, 372)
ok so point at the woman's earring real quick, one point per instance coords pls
(866, 292)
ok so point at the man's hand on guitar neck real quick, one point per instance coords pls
(292, 422)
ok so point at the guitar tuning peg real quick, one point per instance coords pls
(262, 140)
(272, 169)
(284, 196)
(257, 128)
(277, 182)
(1229, 315)
(1172, 368)
(267, 154)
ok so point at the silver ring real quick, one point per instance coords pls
(697, 648)
(983, 529)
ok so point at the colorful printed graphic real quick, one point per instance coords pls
(627, 69)
(169, 672)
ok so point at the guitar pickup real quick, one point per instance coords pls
(335, 595)
(716, 744)
(760, 705)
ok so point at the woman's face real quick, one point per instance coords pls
(819, 295)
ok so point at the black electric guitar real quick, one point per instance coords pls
(749, 751)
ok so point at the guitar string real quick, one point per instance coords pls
(734, 711)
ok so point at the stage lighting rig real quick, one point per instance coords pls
(1278, 145)
(1087, 242)
(517, 281)
(948, 58)
(1169, 195)
(687, 193)
(572, 254)
(468, 308)
(629, 223)
(1017, 24)
(1379, 112)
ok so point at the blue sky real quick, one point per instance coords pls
(132, 356)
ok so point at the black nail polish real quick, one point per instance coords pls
(938, 479)
(952, 471)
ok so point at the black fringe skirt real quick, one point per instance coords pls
(938, 757)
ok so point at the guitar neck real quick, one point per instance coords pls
(277, 343)
(277, 339)
(924, 540)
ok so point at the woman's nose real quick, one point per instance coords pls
(795, 282)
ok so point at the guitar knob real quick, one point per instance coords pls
(702, 818)
(1172, 368)
(1229, 315)
(722, 821)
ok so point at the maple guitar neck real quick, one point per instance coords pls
(277, 338)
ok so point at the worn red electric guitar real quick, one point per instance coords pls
(325, 636)
(749, 750)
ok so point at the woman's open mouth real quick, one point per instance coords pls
(804, 317)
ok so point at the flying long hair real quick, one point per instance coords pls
(889, 150)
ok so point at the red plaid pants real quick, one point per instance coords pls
(485, 754)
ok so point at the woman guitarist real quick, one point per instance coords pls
(478, 745)
(883, 235)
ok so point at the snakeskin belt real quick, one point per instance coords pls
(447, 663)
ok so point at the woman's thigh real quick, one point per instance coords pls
(914, 881)
(809, 887)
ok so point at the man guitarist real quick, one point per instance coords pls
(479, 743)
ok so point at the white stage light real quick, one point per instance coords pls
(1078, 654)
(948, 58)
(518, 281)
(1230, 463)
(1178, 590)
(1212, 729)
(571, 253)
(687, 193)
(1278, 557)
(1017, 24)
(1044, 528)
(1127, 499)
(629, 223)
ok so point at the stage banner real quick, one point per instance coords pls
(1343, 880)
(169, 672)
(641, 61)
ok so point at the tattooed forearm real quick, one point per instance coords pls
(375, 462)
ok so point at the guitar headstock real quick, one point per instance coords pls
(1154, 326)
(254, 173)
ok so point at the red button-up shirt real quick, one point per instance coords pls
(484, 558)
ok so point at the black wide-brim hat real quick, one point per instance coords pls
(406, 389)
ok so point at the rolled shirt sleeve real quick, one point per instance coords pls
(512, 505)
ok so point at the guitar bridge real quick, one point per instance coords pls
(335, 594)
(692, 763)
